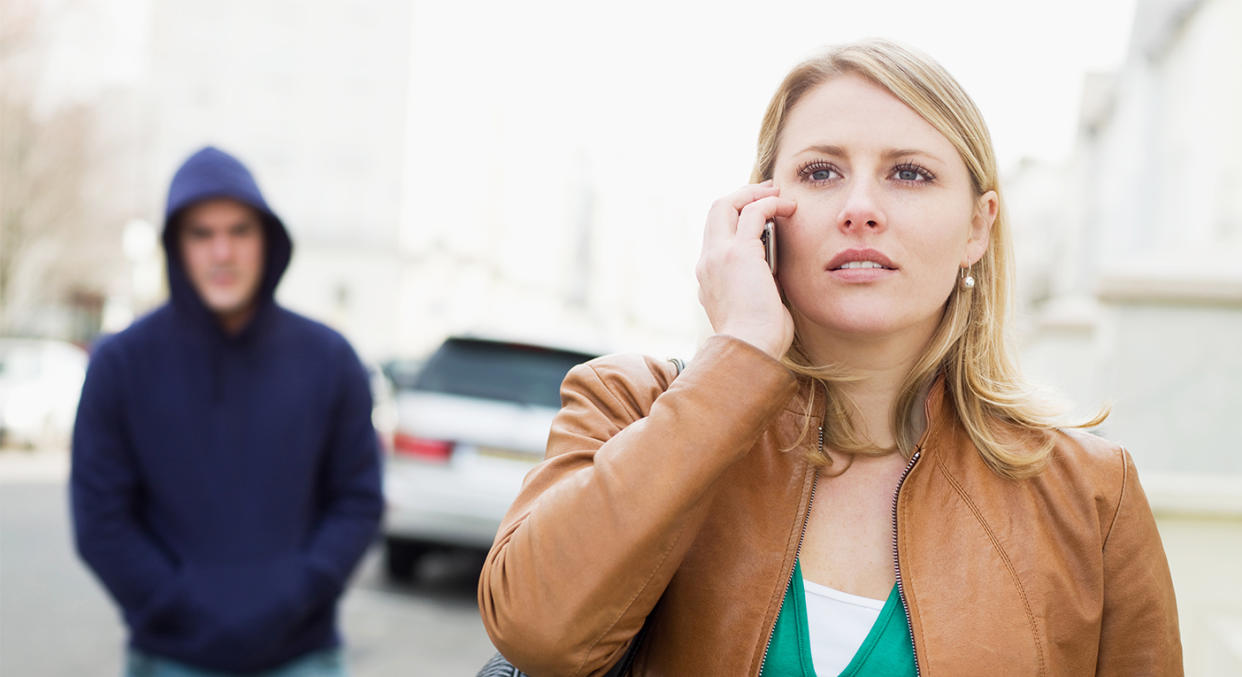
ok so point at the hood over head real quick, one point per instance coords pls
(212, 173)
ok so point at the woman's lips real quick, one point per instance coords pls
(860, 255)
(861, 274)
(861, 265)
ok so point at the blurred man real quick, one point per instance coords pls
(225, 471)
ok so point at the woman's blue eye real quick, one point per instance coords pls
(818, 172)
(912, 174)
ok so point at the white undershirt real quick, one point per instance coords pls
(837, 622)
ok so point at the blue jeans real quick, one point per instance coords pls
(326, 663)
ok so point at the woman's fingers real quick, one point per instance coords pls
(723, 216)
(754, 215)
(736, 287)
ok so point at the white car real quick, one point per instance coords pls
(473, 424)
(40, 382)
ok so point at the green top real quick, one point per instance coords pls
(887, 650)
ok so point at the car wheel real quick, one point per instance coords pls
(401, 556)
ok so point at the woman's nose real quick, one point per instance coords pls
(861, 209)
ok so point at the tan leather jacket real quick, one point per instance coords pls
(685, 508)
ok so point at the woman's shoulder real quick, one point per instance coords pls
(727, 375)
(626, 384)
(630, 370)
(1084, 474)
(1098, 471)
(1084, 454)
(1083, 485)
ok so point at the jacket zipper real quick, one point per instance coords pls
(806, 518)
(901, 592)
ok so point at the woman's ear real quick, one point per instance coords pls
(986, 208)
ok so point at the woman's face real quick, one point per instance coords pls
(886, 214)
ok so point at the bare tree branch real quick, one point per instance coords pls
(44, 163)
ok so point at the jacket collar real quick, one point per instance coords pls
(938, 413)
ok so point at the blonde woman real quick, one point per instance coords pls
(850, 477)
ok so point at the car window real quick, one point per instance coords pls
(402, 373)
(498, 371)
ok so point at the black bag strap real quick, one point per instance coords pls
(497, 666)
(679, 363)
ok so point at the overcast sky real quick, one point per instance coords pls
(1022, 62)
(647, 110)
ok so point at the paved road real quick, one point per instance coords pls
(56, 622)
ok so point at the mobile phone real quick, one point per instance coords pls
(769, 244)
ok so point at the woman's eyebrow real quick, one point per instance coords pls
(825, 149)
(907, 152)
(890, 154)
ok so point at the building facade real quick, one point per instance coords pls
(1131, 261)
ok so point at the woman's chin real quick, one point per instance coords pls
(867, 323)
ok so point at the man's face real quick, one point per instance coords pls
(222, 252)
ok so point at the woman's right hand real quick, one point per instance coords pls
(736, 288)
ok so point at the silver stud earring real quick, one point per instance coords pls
(968, 280)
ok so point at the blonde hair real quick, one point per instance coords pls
(1008, 423)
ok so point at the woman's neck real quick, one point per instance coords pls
(882, 365)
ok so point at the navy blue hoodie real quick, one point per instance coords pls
(225, 486)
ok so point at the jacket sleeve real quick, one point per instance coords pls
(352, 498)
(104, 487)
(1139, 630)
(600, 527)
